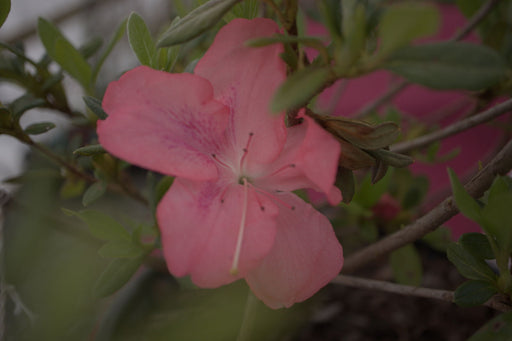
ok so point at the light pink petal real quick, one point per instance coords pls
(169, 123)
(306, 255)
(309, 160)
(199, 224)
(245, 79)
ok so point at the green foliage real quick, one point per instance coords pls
(468, 264)
(403, 22)
(473, 293)
(497, 329)
(449, 65)
(64, 53)
(39, 128)
(439, 239)
(25, 103)
(196, 22)
(406, 265)
(466, 204)
(94, 192)
(101, 225)
(478, 245)
(95, 105)
(117, 273)
(119, 33)
(299, 88)
(140, 39)
(89, 150)
(5, 8)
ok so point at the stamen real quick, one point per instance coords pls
(236, 257)
(285, 167)
(214, 156)
(272, 197)
(245, 150)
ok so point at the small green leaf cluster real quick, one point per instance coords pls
(125, 249)
(472, 250)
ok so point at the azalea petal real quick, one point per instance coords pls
(306, 255)
(308, 160)
(169, 123)
(245, 79)
(200, 222)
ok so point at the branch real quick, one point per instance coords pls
(499, 165)
(425, 140)
(395, 89)
(443, 295)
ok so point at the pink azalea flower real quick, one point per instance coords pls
(230, 213)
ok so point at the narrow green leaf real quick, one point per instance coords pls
(298, 89)
(121, 249)
(466, 204)
(25, 103)
(403, 22)
(449, 65)
(474, 293)
(94, 192)
(95, 105)
(497, 329)
(391, 158)
(101, 225)
(140, 39)
(469, 266)
(196, 22)
(478, 245)
(406, 265)
(65, 54)
(5, 8)
(347, 184)
(117, 274)
(39, 128)
(111, 44)
(90, 150)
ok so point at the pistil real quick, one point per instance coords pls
(241, 229)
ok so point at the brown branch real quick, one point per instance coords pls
(499, 165)
(495, 302)
(398, 87)
(470, 122)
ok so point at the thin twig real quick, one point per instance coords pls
(501, 164)
(398, 87)
(442, 295)
(470, 122)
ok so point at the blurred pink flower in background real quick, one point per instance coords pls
(230, 213)
(348, 97)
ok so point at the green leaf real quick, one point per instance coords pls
(406, 265)
(466, 204)
(95, 105)
(391, 158)
(439, 239)
(346, 184)
(121, 249)
(473, 293)
(497, 329)
(39, 128)
(90, 48)
(449, 65)
(298, 89)
(162, 187)
(196, 22)
(496, 214)
(117, 274)
(94, 192)
(368, 193)
(478, 245)
(5, 8)
(111, 44)
(140, 39)
(403, 22)
(65, 54)
(25, 103)
(90, 150)
(469, 266)
(101, 225)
